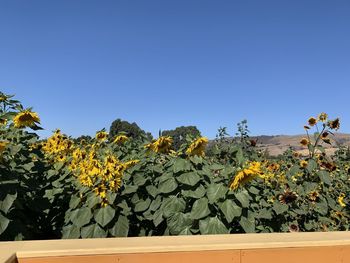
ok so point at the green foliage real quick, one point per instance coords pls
(130, 129)
(166, 194)
(180, 134)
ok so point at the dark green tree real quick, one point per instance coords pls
(180, 133)
(130, 129)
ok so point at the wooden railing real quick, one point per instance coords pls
(322, 247)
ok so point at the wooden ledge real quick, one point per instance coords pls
(132, 245)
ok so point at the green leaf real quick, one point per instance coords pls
(93, 231)
(322, 206)
(142, 205)
(181, 165)
(155, 203)
(93, 200)
(312, 165)
(196, 159)
(129, 189)
(216, 192)
(111, 197)
(81, 216)
(186, 231)
(104, 215)
(230, 210)
(240, 157)
(212, 225)
(4, 222)
(200, 209)
(248, 225)
(265, 214)
(121, 227)
(158, 217)
(324, 177)
(216, 166)
(7, 202)
(71, 232)
(167, 186)
(152, 190)
(198, 193)
(139, 179)
(173, 205)
(74, 202)
(243, 198)
(190, 178)
(178, 222)
(279, 208)
(253, 190)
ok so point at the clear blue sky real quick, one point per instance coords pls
(81, 64)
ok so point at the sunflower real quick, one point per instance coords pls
(3, 145)
(26, 118)
(313, 196)
(120, 139)
(312, 121)
(287, 197)
(61, 158)
(246, 175)
(102, 136)
(162, 145)
(293, 228)
(197, 147)
(304, 142)
(334, 124)
(341, 200)
(322, 117)
(303, 163)
(324, 135)
(131, 163)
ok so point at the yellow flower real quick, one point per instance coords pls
(246, 175)
(304, 142)
(102, 136)
(100, 191)
(131, 163)
(120, 139)
(341, 200)
(3, 97)
(3, 145)
(322, 117)
(61, 158)
(197, 147)
(303, 163)
(313, 196)
(162, 145)
(26, 119)
(312, 121)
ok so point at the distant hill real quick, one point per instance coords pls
(277, 144)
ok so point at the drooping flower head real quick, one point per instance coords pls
(246, 175)
(334, 124)
(3, 145)
(120, 139)
(26, 118)
(197, 147)
(161, 145)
